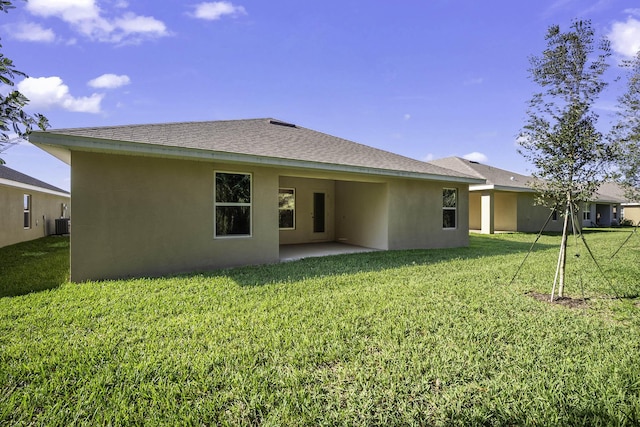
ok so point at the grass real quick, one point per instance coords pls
(419, 337)
(34, 266)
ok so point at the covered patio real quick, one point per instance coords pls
(311, 250)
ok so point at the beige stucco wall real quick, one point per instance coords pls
(146, 216)
(505, 211)
(475, 211)
(632, 213)
(531, 217)
(305, 187)
(415, 215)
(45, 208)
(362, 214)
(136, 216)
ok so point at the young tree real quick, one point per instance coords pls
(626, 132)
(560, 137)
(13, 118)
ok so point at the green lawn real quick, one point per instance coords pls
(420, 337)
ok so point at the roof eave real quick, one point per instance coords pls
(30, 187)
(61, 145)
(500, 188)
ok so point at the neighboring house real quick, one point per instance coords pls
(631, 212)
(29, 207)
(624, 208)
(165, 198)
(507, 203)
(606, 208)
(504, 203)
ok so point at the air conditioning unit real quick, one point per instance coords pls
(62, 225)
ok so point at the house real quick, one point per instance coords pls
(625, 209)
(505, 202)
(29, 207)
(631, 212)
(606, 207)
(164, 198)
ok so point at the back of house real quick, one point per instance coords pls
(175, 197)
(29, 208)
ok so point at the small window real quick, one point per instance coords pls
(554, 215)
(586, 214)
(287, 208)
(449, 207)
(615, 212)
(232, 202)
(27, 211)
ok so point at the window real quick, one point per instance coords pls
(27, 210)
(287, 208)
(615, 212)
(232, 204)
(449, 207)
(586, 214)
(554, 215)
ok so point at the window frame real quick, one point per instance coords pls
(217, 204)
(586, 214)
(293, 190)
(27, 208)
(449, 208)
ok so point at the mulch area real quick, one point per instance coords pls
(565, 301)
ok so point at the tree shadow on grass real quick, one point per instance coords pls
(332, 265)
(34, 266)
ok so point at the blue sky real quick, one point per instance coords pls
(425, 79)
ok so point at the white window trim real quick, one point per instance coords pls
(216, 204)
(586, 214)
(27, 210)
(455, 209)
(294, 209)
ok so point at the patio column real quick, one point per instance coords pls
(487, 215)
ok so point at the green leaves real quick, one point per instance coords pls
(626, 133)
(13, 118)
(560, 137)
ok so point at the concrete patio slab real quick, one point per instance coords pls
(310, 250)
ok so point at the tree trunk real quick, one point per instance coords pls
(562, 256)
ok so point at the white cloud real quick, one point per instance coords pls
(474, 81)
(50, 92)
(635, 12)
(407, 116)
(428, 157)
(87, 18)
(67, 10)
(476, 157)
(212, 11)
(110, 81)
(625, 37)
(134, 24)
(30, 32)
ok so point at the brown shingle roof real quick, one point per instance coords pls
(265, 138)
(15, 176)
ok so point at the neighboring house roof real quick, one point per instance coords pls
(496, 179)
(500, 179)
(260, 141)
(610, 192)
(14, 178)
